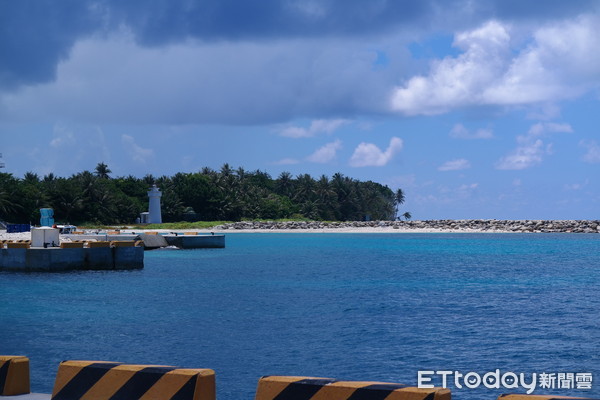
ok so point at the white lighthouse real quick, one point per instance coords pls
(154, 215)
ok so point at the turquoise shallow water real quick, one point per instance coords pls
(347, 306)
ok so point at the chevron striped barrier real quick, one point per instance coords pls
(307, 388)
(537, 397)
(101, 380)
(14, 375)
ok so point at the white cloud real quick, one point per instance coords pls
(137, 153)
(577, 186)
(527, 154)
(531, 149)
(468, 188)
(549, 127)
(460, 132)
(455, 165)
(286, 161)
(592, 155)
(457, 81)
(562, 62)
(369, 155)
(325, 153)
(317, 126)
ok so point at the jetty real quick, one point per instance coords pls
(46, 251)
(155, 240)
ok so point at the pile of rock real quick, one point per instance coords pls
(484, 225)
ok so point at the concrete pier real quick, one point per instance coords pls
(184, 241)
(66, 259)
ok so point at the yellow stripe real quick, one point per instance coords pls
(14, 358)
(206, 386)
(112, 381)
(168, 384)
(269, 387)
(66, 371)
(17, 376)
(336, 390)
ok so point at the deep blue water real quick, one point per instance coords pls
(347, 306)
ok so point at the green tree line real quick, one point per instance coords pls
(208, 195)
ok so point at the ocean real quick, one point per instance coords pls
(377, 307)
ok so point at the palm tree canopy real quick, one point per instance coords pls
(102, 171)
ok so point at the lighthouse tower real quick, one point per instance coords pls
(154, 216)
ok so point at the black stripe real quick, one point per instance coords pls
(3, 373)
(303, 389)
(139, 383)
(430, 396)
(378, 391)
(187, 391)
(83, 381)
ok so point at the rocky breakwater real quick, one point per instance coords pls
(445, 225)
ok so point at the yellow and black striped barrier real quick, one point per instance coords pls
(537, 397)
(307, 388)
(99, 380)
(14, 375)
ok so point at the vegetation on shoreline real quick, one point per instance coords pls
(97, 199)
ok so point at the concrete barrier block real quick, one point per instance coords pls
(122, 243)
(71, 245)
(109, 380)
(537, 397)
(17, 245)
(14, 375)
(98, 244)
(308, 388)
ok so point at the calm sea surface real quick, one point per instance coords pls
(346, 306)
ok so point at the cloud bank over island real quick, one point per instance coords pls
(464, 97)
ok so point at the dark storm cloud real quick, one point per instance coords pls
(168, 20)
(164, 21)
(35, 35)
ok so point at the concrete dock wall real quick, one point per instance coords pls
(57, 259)
(196, 241)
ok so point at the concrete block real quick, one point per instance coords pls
(14, 375)
(109, 380)
(71, 245)
(17, 245)
(308, 388)
(92, 244)
(122, 243)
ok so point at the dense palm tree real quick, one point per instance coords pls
(227, 194)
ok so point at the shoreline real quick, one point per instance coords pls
(427, 226)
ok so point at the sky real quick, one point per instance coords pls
(476, 109)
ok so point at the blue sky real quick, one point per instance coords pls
(476, 109)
